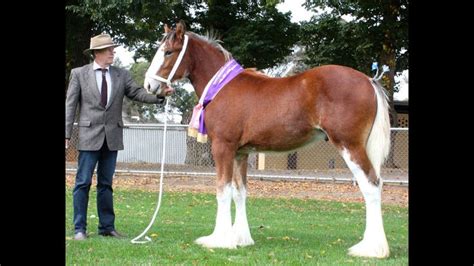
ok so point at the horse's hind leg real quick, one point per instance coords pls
(374, 243)
(239, 192)
(222, 236)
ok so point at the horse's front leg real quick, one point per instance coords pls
(239, 185)
(222, 236)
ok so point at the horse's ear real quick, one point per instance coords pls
(167, 29)
(180, 29)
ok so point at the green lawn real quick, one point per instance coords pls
(286, 232)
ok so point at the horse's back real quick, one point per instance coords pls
(336, 77)
(285, 112)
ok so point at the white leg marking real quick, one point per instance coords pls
(223, 236)
(374, 243)
(241, 226)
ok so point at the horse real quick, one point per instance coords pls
(257, 113)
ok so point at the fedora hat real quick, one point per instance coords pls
(100, 42)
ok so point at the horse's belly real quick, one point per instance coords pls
(283, 142)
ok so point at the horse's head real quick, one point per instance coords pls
(168, 64)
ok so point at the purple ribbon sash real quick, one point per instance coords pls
(225, 74)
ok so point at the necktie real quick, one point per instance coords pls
(103, 90)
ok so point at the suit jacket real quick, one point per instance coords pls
(95, 121)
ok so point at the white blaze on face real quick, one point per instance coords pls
(151, 84)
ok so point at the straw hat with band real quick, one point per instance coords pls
(100, 42)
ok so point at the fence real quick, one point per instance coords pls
(184, 156)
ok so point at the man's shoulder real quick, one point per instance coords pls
(121, 73)
(119, 69)
(82, 68)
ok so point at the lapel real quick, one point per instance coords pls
(115, 78)
(92, 82)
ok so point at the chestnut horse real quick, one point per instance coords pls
(257, 113)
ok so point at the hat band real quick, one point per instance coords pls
(102, 46)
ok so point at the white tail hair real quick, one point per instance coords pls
(378, 144)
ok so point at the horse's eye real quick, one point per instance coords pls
(168, 53)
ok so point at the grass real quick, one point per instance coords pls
(285, 231)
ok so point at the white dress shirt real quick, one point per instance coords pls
(98, 78)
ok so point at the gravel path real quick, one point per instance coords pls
(391, 195)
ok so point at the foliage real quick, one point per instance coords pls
(378, 32)
(135, 24)
(138, 25)
(256, 34)
(331, 40)
(181, 100)
(77, 27)
(291, 64)
(146, 111)
(184, 101)
(356, 33)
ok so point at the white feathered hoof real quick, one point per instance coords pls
(372, 249)
(243, 241)
(242, 234)
(214, 241)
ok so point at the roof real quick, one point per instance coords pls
(401, 107)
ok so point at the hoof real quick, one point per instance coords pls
(213, 241)
(370, 249)
(245, 241)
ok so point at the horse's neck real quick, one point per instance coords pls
(207, 61)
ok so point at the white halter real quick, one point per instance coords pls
(175, 67)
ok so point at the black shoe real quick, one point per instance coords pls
(80, 236)
(112, 233)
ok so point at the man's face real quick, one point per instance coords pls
(106, 55)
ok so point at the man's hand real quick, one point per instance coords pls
(67, 143)
(168, 91)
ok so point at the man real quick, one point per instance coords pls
(98, 89)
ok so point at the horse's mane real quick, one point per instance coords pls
(212, 39)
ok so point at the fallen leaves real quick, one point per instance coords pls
(392, 195)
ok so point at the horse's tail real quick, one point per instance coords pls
(378, 144)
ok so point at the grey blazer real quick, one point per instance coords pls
(96, 122)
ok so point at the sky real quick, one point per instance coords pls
(299, 13)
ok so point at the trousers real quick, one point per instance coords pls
(106, 161)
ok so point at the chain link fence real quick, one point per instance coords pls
(184, 156)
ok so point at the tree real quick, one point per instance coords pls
(378, 32)
(145, 111)
(78, 27)
(135, 24)
(254, 32)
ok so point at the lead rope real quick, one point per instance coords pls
(147, 239)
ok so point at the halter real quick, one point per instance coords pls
(175, 66)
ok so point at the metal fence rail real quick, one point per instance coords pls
(184, 156)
